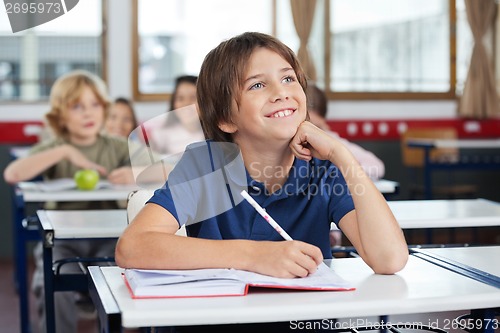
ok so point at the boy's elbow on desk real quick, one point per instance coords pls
(392, 264)
(119, 257)
(123, 253)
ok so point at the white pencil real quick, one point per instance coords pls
(265, 215)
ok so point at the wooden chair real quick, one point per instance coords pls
(413, 160)
(136, 200)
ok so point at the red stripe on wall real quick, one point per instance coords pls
(375, 130)
(19, 132)
(359, 129)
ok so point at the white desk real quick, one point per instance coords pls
(114, 192)
(78, 224)
(19, 152)
(73, 224)
(22, 234)
(421, 287)
(386, 186)
(416, 214)
(484, 258)
(453, 143)
(120, 192)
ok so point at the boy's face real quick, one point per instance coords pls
(84, 118)
(272, 103)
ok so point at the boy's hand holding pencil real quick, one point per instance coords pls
(285, 259)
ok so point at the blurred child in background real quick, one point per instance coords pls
(121, 120)
(371, 164)
(79, 105)
(317, 107)
(184, 92)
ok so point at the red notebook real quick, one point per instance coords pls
(222, 282)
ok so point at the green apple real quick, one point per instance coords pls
(86, 179)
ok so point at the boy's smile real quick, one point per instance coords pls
(272, 104)
(281, 113)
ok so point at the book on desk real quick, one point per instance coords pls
(222, 282)
(54, 185)
(65, 184)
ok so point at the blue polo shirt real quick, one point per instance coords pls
(314, 195)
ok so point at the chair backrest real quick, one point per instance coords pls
(414, 157)
(136, 200)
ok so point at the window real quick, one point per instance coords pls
(390, 46)
(362, 49)
(173, 37)
(31, 60)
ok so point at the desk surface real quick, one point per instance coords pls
(121, 192)
(116, 192)
(68, 224)
(484, 258)
(446, 213)
(420, 287)
(386, 186)
(451, 143)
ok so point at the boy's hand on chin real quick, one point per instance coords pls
(310, 141)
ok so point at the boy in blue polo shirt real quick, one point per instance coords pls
(250, 92)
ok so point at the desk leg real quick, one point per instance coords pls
(104, 302)
(483, 321)
(428, 187)
(20, 261)
(48, 278)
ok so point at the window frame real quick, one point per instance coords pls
(138, 96)
(104, 41)
(156, 97)
(448, 95)
(104, 59)
(332, 95)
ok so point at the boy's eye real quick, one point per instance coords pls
(76, 106)
(257, 85)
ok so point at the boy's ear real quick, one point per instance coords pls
(227, 127)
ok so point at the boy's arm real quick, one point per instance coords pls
(371, 227)
(149, 242)
(28, 167)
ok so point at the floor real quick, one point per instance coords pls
(9, 304)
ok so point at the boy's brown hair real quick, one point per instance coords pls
(221, 78)
(66, 91)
